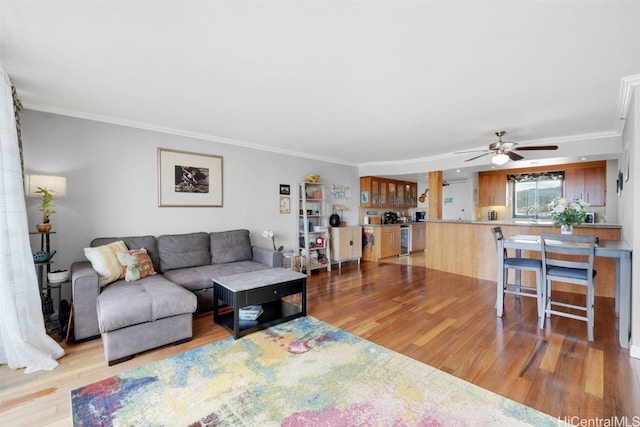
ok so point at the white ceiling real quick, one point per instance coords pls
(357, 82)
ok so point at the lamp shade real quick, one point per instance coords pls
(55, 184)
(500, 159)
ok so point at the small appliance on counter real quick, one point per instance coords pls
(390, 218)
(590, 218)
(421, 216)
(492, 215)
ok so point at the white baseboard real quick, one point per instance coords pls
(634, 351)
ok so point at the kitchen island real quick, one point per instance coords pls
(468, 248)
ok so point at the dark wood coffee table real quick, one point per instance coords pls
(262, 287)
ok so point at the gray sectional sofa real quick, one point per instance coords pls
(157, 310)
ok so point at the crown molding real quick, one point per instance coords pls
(627, 84)
(173, 131)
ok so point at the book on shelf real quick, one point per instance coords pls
(250, 312)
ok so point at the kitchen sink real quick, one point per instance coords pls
(531, 221)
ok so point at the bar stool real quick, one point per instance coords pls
(579, 270)
(518, 264)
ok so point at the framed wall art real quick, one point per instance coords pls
(189, 179)
(285, 204)
(285, 189)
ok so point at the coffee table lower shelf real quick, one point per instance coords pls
(275, 312)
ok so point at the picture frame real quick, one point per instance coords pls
(188, 179)
(285, 189)
(285, 204)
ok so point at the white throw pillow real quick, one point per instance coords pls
(104, 260)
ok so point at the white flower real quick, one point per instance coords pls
(568, 212)
(268, 234)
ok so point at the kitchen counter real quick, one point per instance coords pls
(522, 222)
(525, 223)
(469, 249)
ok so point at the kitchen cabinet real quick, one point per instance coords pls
(588, 184)
(391, 194)
(400, 195)
(346, 244)
(381, 241)
(418, 237)
(492, 189)
(378, 192)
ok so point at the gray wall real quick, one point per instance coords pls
(112, 190)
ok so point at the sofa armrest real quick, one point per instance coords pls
(84, 293)
(268, 257)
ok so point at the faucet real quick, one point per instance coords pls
(535, 212)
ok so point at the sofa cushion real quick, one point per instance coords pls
(230, 246)
(137, 264)
(104, 261)
(123, 304)
(183, 250)
(198, 278)
(135, 242)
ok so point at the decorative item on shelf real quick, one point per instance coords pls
(58, 276)
(334, 219)
(568, 213)
(42, 256)
(312, 178)
(271, 235)
(47, 187)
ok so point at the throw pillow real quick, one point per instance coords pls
(137, 264)
(105, 261)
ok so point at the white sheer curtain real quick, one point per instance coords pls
(24, 342)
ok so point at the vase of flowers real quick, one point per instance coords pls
(568, 213)
(271, 235)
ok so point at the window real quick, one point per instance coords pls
(532, 193)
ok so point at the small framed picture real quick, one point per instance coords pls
(285, 205)
(285, 189)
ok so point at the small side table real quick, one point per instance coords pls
(293, 262)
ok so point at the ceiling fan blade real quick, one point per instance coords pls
(537, 147)
(477, 157)
(514, 156)
(471, 151)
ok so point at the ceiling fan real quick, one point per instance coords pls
(503, 151)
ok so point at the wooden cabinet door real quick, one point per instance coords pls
(492, 190)
(365, 191)
(374, 192)
(355, 242)
(382, 200)
(574, 184)
(399, 195)
(389, 241)
(418, 240)
(391, 194)
(588, 184)
(595, 186)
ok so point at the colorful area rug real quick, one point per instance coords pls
(301, 373)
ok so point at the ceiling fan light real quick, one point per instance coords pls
(500, 159)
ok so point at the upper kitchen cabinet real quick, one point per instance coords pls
(378, 192)
(492, 189)
(588, 184)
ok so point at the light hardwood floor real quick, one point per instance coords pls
(441, 319)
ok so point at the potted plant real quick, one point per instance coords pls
(46, 208)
